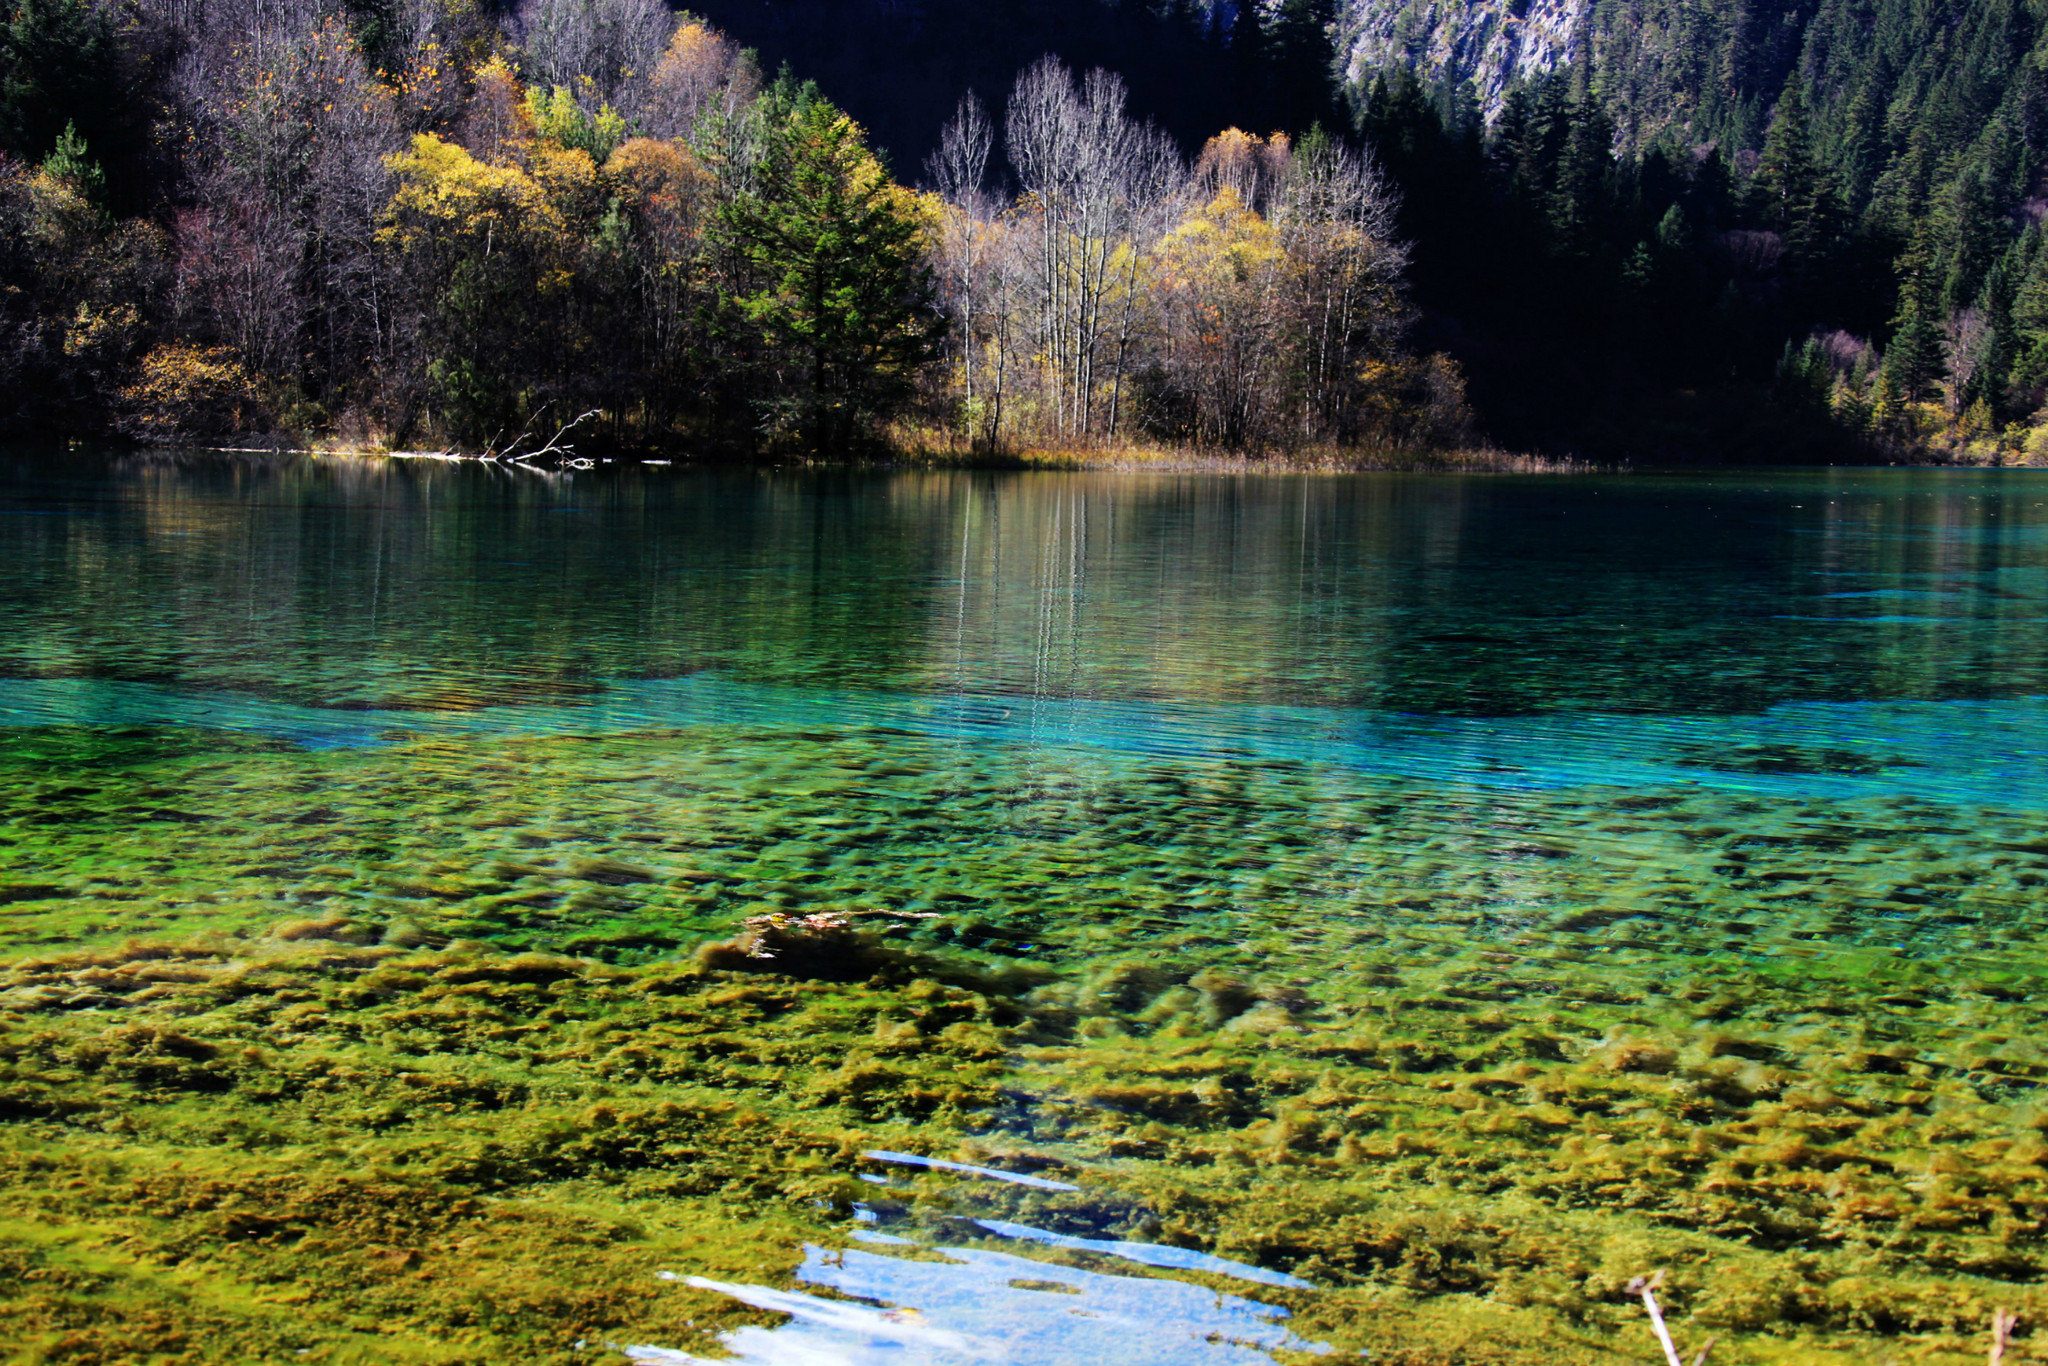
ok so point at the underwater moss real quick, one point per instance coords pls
(439, 1051)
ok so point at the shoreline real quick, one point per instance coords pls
(1481, 459)
(1142, 460)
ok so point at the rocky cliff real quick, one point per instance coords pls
(1488, 42)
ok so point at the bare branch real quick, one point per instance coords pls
(1647, 1287)
(2003, 1321)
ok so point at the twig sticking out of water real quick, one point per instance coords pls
(2002, 1323)
(1647, 1287)
(516, 454)
(555, 446)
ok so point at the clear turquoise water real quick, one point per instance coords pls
(1805, 634)
(1538, 749)
(339, 584)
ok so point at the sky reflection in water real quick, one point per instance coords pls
(980, 1307)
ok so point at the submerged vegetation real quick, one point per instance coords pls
(321, 1078)
(490, 897)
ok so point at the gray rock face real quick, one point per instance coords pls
(1492, 43)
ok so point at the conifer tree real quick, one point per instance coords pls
(53, 56)
(62, 65)
(1251, 54)
(1913, 362)
(1301, 63)
(71, 162)
(2027, 379)
(1994, 368)
(841, 294)
(1974, 235)
(1790, 191)
(1585, 168)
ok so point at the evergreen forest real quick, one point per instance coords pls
(1792, 230)
(1774, 230)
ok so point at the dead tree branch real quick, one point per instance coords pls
(2003, 1321)
(1647, 1287)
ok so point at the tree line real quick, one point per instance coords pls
(408, 221)
(414, 222)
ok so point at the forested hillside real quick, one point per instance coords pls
(422, 223)
(1788, 225)
(1765, 230)
(1642, 229)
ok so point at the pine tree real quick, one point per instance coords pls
(53, 54)
(62, 63)
(1251, 54)
(1584, 183)
(1994, 368)
(2027, 380)
(69, 161)
(1302, 62)
(1974, 235)
(1913, 362)
(840, 289)
(1790, 193)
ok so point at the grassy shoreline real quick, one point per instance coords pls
(1127, 458)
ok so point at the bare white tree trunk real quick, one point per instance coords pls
(958, 170)
(1090, 173)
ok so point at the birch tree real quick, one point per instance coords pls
(1088, 174)
(1334, 212)
(702, 72)
(605, 50)
(281, 263)
(967, 235)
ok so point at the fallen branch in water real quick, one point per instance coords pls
(555, 446)
(512, 454)
(1647, 1287)
(2003, 1322)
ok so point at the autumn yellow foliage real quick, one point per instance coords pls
(185, 390)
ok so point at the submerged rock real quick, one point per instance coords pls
(818, 947)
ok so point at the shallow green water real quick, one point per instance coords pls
(1548, 822)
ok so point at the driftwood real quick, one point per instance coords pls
(516, 451)
(2003, 1321)
(1647, 1287)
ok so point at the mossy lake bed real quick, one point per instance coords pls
(465, 919)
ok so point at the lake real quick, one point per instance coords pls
(1151, 917)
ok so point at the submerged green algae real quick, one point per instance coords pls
(379, 1154)
(403, 1054)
